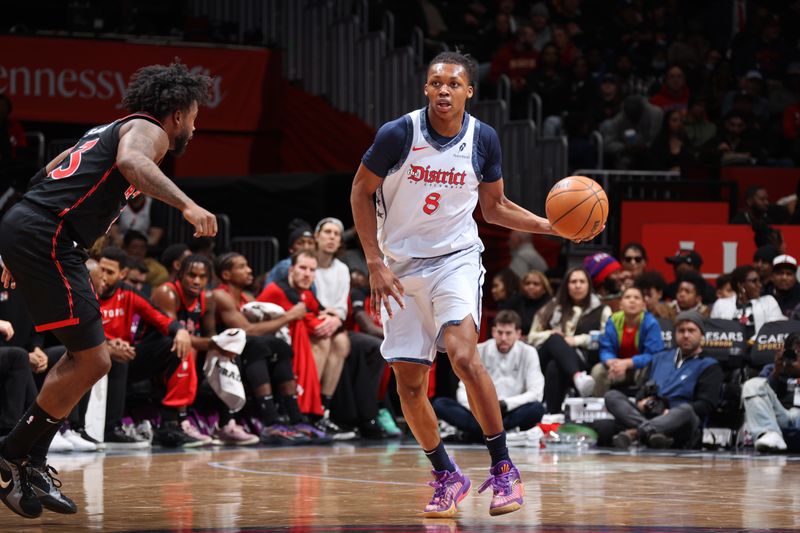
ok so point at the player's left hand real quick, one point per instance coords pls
(8, 279)
(182, 344)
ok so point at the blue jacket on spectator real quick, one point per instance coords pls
(648, 339)
(697, 381)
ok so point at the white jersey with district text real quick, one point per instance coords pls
(424, 205)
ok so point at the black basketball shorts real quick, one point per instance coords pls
(50, 272)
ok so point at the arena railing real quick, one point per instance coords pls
(261, 252)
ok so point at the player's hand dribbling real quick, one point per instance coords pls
(383, 284)
(204, 222)
(8, 279)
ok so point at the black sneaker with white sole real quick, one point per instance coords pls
(15, 488)
(47, 488)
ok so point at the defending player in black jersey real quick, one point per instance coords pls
(69, 204)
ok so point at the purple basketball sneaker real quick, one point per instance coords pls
(506, 486)
(449, 488)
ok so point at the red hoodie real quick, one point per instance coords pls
(119, 309)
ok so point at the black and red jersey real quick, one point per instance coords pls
(87, 190)
(119, 309)
(190, 313)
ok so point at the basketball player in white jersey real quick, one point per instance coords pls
(428, 169)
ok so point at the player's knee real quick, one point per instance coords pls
(98, 363)
(412, 392)
(465, 364)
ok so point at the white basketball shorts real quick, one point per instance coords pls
(439, 292)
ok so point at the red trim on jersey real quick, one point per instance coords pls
(63, 213)
(176, 286)
(61, 270)
(56, 325)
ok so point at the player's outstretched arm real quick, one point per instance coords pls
(497, 209)
(142, 144)
(383, 283)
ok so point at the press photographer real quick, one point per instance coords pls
(772, 400)
(682, 388)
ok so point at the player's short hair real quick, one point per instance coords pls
(172, 253)
(650, 280)
(507, 316)
(225, 262)
(307, 253)
(137, 263)
(457, 58)
(693, 278)
(194, 259)
(133, 235)
(160, 90)
(112, 253)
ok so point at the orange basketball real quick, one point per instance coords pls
(577, 208)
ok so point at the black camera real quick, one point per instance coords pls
(655, 404)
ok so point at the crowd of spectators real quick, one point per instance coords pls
(687, 83)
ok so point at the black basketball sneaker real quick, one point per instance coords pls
(47, 488)
(15, 488)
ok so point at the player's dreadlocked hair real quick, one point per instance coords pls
(457, 58)
(193, 259)
(161, 90)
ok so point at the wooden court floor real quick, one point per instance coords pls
(353, 488)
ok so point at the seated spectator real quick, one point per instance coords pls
(751, 85)
(300, 238)
(562, 333)
(631, 337)
(684, 262)
(670, 149)
(762, 261)
(524, 256)
(674, 93)
(786, 290)
(137, 276)
(16, 379)
(769, 404)
(734, 145)
(315, 329)
(513, 367)
(689, 296)
(162, 352)
(609, 103)
(172, 257)
(137, 216)
(724, 288)
(682, 389)
(634, 258)
(535, 292)
(540, 22)
(505, 287)
(652, 285)
(698, 129)
(605, 274)
(517, 60)
(747, 305)
(495, 36)
(568, 53)
(230, 297)
(756, 207)
(266, 361)
(135, 245)
(549, 82)
(629, 135)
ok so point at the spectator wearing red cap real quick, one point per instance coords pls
(562, 333)
(784, 280)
